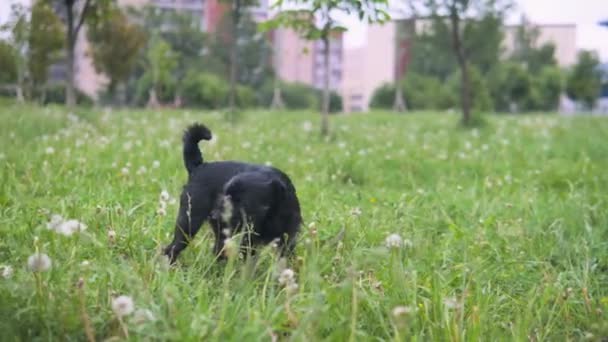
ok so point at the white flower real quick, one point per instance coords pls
(124, 171)
(142, 316)
(85, 263)
(307, 126)
(49, 150)
(355, 211)
(7, 271)
(393, 241)
(155, 164)
(39, 262)
(70, 227)
(246, 145)
(122, 306)
(292, 287)
(142, 169)
(56, 220)
(164, 195)
(161, 211)
(400, 311)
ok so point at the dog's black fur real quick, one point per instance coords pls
(259, 195)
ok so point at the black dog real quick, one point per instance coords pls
(260, 196)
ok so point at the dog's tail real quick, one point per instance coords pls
(192, 154)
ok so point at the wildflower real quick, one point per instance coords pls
(122, 306)
(39, 262)
(56, 220)
(143, 315)
(246, 145)
(124, 171)
(161, 211)
(7, 271)
(400, 311)
(155, 164)
(49, 150)
(142, 169)
(85, 263)
(393, 241)
(355, 211)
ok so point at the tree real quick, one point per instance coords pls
(19, 28)
(8, 63)
(460, 15)
(161, 63)
(76, 13)
(44, 43)
(585, 79)
(527, 51)
(316, 20)
(115, 46)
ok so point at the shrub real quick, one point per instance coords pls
(205, 90)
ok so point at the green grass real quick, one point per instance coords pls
(508, 226)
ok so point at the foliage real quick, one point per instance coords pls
(161, 62)
(527, 52)
(383, 97)
(45, 42)
(205, 90)
(8, 63)
(585, 81)
(481, 98)
(115, 46)
(502, 228)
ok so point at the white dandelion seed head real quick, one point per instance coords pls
(39, 262)
(155, 164)
(142, 316)
(124, 171)
(85, 263)
(142, 170)
(227, 232)
(55, 221)
(7, 271)
(70, 227)
(230, 248)
(49, 150)
(287, 276)
(122, 305)
(307, 126)
(356, 211)
(451, 303)
(246, 145)
(161, 211)
(400, 311)
(111, 234)
(164, 195)
(292, 288)
(393, 241)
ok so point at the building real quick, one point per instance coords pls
(383, 60)
(300, 60)
(563, 36)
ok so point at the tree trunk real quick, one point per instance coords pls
(236, 9)
(20, 97)
(70, 93)
(325, 102)
(399, 105)
(465, 87)
(277, 99)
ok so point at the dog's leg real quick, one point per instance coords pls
(188, 224)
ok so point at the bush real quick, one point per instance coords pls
(294, 95)
(335, 101)
(481, 98)
(205, 90)
(383, 97)
(245, 97)
(55, 93)
(419, 91)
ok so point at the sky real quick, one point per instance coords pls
(584, 13)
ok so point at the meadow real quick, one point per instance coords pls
(415, 229)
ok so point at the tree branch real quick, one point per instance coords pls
(83, 14)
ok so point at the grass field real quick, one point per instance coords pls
(504, 229)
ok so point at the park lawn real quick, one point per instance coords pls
(504, 228)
